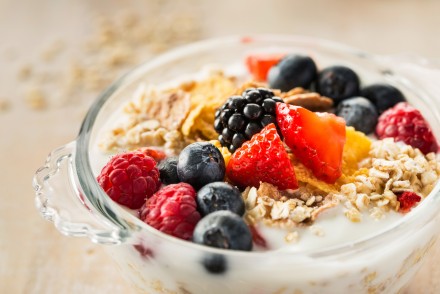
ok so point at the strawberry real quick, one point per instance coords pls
(262, 159)
(260, 64)
(316, 139)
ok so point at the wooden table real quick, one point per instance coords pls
(34, 257)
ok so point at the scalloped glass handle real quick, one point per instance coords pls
(59, 200)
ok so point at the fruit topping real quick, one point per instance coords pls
(257, 238)
(215, 263)
(223, 150)
(223, 229)
(359, 113)
(262, 159)
(199, 164)
(168, 170)
(316, 139)
(292, 71)
(154, 153)
(219, 196)
(243, 116)
(338, 83)
(408, 200)
(310, 100)
(173, 211)
(357, 147)
(405, 123)
(259, 64)
(129, 178)
(383, 96)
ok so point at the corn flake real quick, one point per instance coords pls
(206, 96)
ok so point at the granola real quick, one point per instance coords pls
(362, 178)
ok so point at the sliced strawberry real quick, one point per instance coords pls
(259, 64)
(316, 139)
(262, 159)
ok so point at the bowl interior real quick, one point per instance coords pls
(186, 63)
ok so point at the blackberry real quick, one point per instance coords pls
(242, 116)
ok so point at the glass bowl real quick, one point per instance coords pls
(68, 194)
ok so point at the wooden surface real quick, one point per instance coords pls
(34, 257)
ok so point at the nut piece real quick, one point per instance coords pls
(312, 101)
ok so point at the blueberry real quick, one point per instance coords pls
(252, 111)
(236, 122)
(359, 113)
(238, 140)
(338, 83)
(292, 71)
(199, 164)
(383, 96)
(223, 229)
(269, 105)
(215, 263)
(251, 129)
(168, 170)
(219, 196)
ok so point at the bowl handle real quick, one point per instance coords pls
(59, 200)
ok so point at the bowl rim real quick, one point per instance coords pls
(127, 223)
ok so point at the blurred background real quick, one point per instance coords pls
(56, 56)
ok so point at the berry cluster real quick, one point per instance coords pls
(364, 108)
(243, 116)
(186, 196)
(360, 107)
(211, 216)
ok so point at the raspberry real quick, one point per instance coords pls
(129, 178)
(173, 211)
(407, 201)
(405, 123)
(262, 159)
